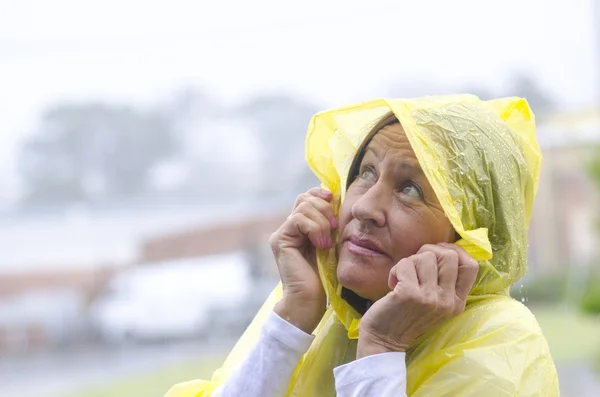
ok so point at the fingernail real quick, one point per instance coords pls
(334, 223)
(329, 242)
(442, 244)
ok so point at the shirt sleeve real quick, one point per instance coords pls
(269, 366)
(380, 375)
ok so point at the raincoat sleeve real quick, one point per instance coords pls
(268, 369)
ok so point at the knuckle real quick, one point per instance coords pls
(409, 294)
(405, 262)
(297, 217)
(447, 305)
(473, 264)
(428, 256)
(304, 206)
(424, 248)
(321, 205)
(430, 302)
(451, 256)
(274, 242)
(302, 198)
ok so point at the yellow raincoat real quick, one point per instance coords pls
(483, 162)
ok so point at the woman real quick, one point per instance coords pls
(415, 240)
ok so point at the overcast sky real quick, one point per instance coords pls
(331, 51)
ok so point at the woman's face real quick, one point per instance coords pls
(389, 212)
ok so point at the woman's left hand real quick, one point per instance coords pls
(428, 289)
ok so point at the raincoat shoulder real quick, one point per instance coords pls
(494, 348)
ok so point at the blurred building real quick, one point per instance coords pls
(564, 229)
(249, 233)
(62, 261)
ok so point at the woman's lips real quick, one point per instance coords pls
(364, 247)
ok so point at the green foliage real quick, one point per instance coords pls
(595, 168)
(590, 301)
(547, 288)
(558, 323)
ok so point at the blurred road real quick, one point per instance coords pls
(53, 375)
(57, 374)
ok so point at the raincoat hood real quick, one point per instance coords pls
(480, 157)
(483, 162)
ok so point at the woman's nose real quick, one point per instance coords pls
(370, 207)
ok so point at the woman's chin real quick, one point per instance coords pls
(361, 281)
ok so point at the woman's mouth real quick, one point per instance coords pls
(363, 246)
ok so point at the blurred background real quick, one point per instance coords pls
(149, 148)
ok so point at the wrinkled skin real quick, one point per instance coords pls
(393, 250)
(392, 205)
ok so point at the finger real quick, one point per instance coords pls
(463, 256)
(321, 193)
(467, 272)
(447, 261)
(403, 273)
(325, 208)
(322, 206)
(427, 272)
(312, 213)
(314, 192)
(299, 223)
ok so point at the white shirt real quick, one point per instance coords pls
(269, 367)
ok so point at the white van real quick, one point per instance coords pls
(170, 300)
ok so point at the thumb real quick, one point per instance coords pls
(393, 278)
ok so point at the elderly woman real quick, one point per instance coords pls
(395, 274)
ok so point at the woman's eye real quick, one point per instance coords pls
(367, 173)
(412, 191)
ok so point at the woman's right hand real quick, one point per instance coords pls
(294, 247)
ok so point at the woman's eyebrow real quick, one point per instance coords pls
(409, 166)
(370, 149)
(406, 166)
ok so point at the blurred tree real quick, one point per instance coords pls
(87, 151)
(191, 105)
(280, 123)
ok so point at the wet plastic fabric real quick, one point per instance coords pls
(483, 162)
